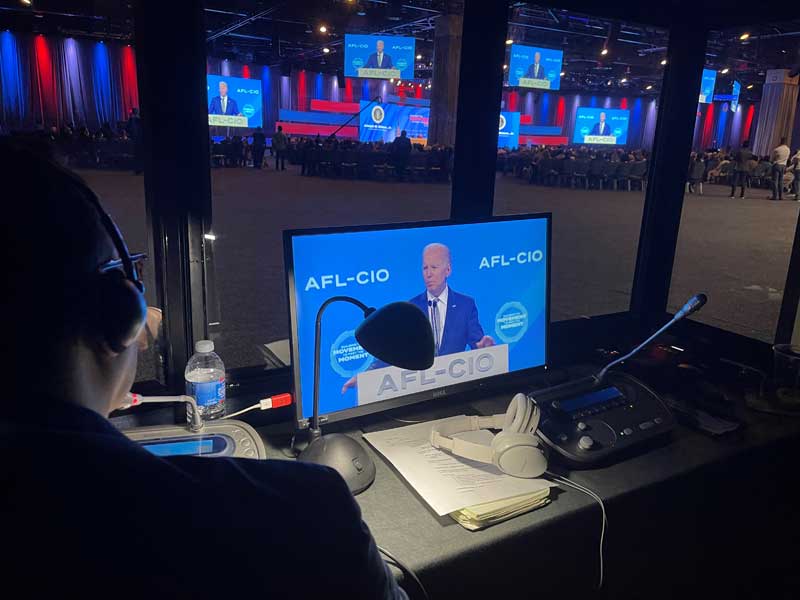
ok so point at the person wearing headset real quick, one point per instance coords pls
(85, 509)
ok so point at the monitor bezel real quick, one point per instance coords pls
(488, 383)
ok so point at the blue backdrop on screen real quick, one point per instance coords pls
(508, 134)
(398, 53)
(244, 98)
(737, 89)
(389, 263)
(707, 86)
(521, 64)
(587, 123)
(384, 122)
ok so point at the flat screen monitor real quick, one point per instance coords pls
(735, 92)
(707, 86)
(508, 133)
(233, 101)
(601, 126)
(491, 281)
(534, 67)
(379, 56)
(384, 122)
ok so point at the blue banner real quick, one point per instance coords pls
(508, 134)
(384, 122)
(707, 86)
(235, 96)
(601, 126)
(496, 281)
(537, 67)
(379, 56)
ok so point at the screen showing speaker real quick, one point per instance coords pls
(508, 134)
(233, 101)
(736, 91)
(601, 126)
(490, 283)
(534, 67)
(707, 86)
(382, 122)
(379, 56)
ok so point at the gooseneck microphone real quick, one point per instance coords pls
(135, 400)
(692, 305)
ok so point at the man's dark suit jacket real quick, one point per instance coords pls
(461, 327)
(596, 129)
(541, 75)
(215, 108)
(87, 511)
(372, 61)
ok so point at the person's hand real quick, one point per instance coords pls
(350, 383)
(485, 342)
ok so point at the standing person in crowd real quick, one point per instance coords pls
(401, 150)
(259, 146)
(134, 129)
(780, 156)
(741, 168)
(697, 170)
(279, 148)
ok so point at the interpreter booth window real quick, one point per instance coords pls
(740, 208)
(321, 115)
(75, 98)
(578, 116)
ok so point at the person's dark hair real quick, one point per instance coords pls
(745, 143)
(280, 128)
(51, 249)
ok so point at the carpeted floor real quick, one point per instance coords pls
(735, 250)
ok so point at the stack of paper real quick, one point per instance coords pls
(474, 494)
(481, 516)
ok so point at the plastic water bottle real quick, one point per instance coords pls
(205, 381)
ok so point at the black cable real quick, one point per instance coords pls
(406, 570)
(292, 452)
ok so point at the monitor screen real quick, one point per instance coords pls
(379, 56)
(384, 122)
(534, 67)
(508, 134)
(490, 280)
(707, 86)
(601, 126)
(233, 101)
(735, 92)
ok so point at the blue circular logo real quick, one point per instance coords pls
(511, 322)
(347, 355)
(520, 72)
(617, 131)
(585, 130)
(248, 110)
(401, 64)
(358, 62)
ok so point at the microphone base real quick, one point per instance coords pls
(344, 455)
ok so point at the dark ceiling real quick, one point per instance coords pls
(287, 33)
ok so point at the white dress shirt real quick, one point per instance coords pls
(442, 306)
(380, 59)
(781, 154)
(224, 102)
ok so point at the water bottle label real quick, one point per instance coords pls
(207, 394)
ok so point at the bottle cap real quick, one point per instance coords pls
(204, 346)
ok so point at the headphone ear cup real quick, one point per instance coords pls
(122, 310)
(518, 455)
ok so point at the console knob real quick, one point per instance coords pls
(582, 426)
(585, 443)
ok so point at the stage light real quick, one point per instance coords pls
(609, 82)
(323, 29)
(505, 67)
(604, 51)
(326, 50)
(663, 62)
(725, 70)
(26, 2)
(210, 236)
(391, 80)
(750, 87)
(562, 73)
(419, 56)
(509, 41)
(649, 87)
(744, 36)
(623, 80)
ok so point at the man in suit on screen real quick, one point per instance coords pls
(601, 127)
(536, 68)
(223, 104)
(378, 59)
(453, 316)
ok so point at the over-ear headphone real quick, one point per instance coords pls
(515, 450)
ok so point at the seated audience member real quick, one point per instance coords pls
(89, 513)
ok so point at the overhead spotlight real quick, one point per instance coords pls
(783, 51)
(663, 62)
(604, 51)
(744, 36)
(509, 41)
(725, 70)
(419, 56)
(26, 2)
(323, 29)
(624, 80)
(750, 87)
(562, 73)
(210, 236)
(505, 67)
(649, 87)
(326, 50)
(609, 82)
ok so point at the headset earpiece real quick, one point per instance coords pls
(122, 310)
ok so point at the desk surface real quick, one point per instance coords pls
(656, 502)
